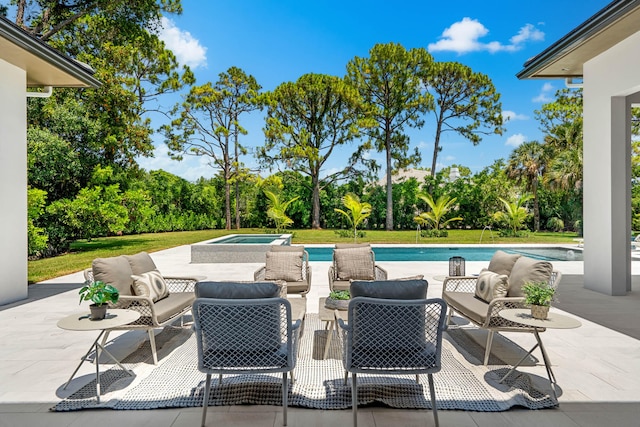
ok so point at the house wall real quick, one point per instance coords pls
(611, 83)
(13, 183)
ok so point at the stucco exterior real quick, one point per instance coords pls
(611, 85)
(13, 183)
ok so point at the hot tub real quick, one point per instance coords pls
(236, 248)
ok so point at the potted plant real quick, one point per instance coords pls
(338, 300)
(539, 295)
(100, 294)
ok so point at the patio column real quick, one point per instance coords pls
(611, 84)
(13, 183)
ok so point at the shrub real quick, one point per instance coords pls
(555, 224)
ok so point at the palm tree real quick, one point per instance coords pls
(439, 209)
(514, 214)
(277, 209)
(526, 165)
(565, 170)
(356, 213)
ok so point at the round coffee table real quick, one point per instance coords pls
(82, 322)
(553, 321)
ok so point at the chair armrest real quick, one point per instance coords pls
(144, 305)
(180, 284)
(343, 325)
(459, 284)
(260, 273)
(380, 273)
(498, 304)
(331, 273)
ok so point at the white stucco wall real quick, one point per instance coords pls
(13, 183)
(610, 82)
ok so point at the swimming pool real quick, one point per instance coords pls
(250, 239)
(234, 248)
(483, 253)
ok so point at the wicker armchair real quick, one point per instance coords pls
(118, 271)
(353, 262)
(393, 336)
(244, 328)
(460, 293)
(290, 264)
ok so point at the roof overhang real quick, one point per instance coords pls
(565, 58)
(44, 65)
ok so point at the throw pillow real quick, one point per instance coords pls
(502, 262)
(354, 263)
(284, 266)
(491, 285)
(389, 289)
(238, 290)
(115, 271)
(528, 270)
(150, 284)
(140, 263)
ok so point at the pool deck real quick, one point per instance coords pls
(597, 365)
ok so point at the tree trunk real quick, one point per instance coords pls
(237, 185)
(389, 219)
(20, 13)
(436, 149)
(227, 201)
(315, 206)
(536, 207)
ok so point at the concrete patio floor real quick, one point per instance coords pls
(597, 367)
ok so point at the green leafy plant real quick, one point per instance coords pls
(514, 215)
(435, 217)
(277, 208)
(538, 293)
(356, 211)
(340, 295)
(99, 293)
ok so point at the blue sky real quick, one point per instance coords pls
(279, 41)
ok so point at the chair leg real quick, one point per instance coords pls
(346, 377)
(105, 337)
(449, 315)
(205, 399)
(219, 379)
(487, 351)
(152, 342)
(432, 392)
(354, 399)
(285, 397)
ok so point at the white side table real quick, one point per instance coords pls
(82, 322)
(553, 321)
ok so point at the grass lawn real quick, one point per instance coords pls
(83, 252)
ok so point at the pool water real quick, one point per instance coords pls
(248, 239)
(408, 253)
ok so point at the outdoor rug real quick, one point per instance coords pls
(463, 383)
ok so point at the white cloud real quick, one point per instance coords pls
(512, 115)
(463, 37)
(515, 140)
(526, 33)
(545, 94)
(450, 158)
(187, 49)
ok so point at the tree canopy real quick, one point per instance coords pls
(389, 83)
(307, 121)
(466, 102)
